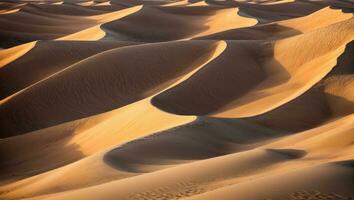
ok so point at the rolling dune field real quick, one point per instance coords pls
(176, 99)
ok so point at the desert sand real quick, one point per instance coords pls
(176, 99)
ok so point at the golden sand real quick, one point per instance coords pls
(176, 99)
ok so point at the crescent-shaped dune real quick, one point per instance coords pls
(50, 57)
(115, 84)
(176, 99)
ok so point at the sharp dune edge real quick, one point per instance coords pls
(176, 99)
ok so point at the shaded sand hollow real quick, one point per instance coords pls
(176, 99)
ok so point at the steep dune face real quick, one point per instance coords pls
(284, 28)
(50, 57)
(304, 68)
(95, 32)
(175, 23)
(134, 158)
(266, 13)
(98, 84)
(71, 141)
(32, 23)
(176, 99)
(280, 73)
(209, 88)
(11, 54)
(328, 99)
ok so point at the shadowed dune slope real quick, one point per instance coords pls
(150, 154)
(330, 98)
(99, 84)
(49, 57)
(31, 23)
(284, 28)
(71, 141)
(175, 23)
(281, 71)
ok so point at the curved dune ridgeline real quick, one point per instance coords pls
(176, 99)
(114, 85)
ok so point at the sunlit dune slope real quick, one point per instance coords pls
(97, 84)
(32, 22)
(188, 22)
(280, 71)
(49, 57)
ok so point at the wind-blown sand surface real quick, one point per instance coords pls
(176, 99)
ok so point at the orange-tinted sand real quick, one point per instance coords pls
(176, 99)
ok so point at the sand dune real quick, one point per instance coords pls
(188, 22)
(136, 154)
(284, 28)
(176, 99)
(100, 88)
(50, 57)
(327, 100)
(37, 22)
(277, 77)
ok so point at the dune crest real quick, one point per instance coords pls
(96, 32)
(9, 55)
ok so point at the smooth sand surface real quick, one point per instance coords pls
(176, 99)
